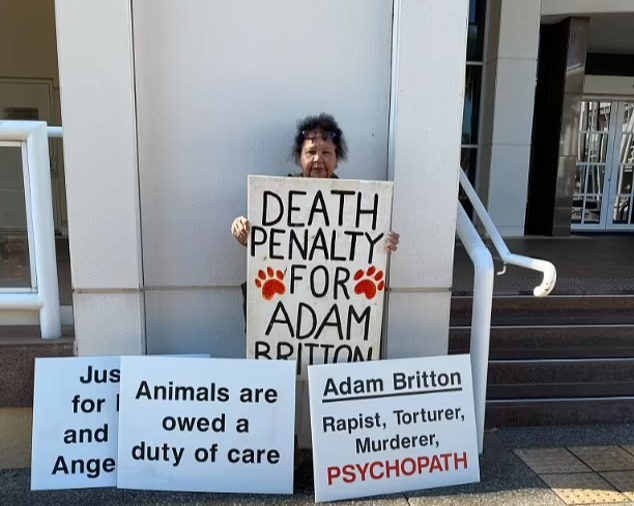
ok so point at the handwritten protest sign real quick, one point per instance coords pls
(75, 419)
(316, 269)
(206, 425)
(392, 426)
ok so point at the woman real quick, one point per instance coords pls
(318, 148)
(319, 145)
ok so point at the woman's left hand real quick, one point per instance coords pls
(391, 242)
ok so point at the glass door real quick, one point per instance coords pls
(603, 197)
(620, 212)
(595, 139)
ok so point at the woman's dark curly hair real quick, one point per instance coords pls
(324, 123)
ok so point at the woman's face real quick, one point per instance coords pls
(319, 155)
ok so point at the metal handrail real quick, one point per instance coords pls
(483, 291)
(480, 314)
(54, 132)
(546, 268)
(43, 295)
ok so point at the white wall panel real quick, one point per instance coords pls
(621, 86)
(220, 86)
(428, 120)
(423, 318)
(514, 97)
(507, 110)
(577, 7)
(97, 92)
(520, 39)
(109, 323)
(196, 321)
(508, 183)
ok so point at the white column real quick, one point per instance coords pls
(508, 99)
(96, 66)
(427, 89)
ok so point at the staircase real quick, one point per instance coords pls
(558, 360)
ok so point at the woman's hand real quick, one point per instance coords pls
(240, 229)
(391, 242)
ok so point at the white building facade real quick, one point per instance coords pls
(168, 106)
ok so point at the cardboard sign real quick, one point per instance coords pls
(206, 425)
(392, 426)
(75, 422)
(316, 269)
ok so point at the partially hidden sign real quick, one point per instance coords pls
(75, 419)
(206, 425)
(316, 269)
(392, 426)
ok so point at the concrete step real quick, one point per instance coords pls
(558, 360)
(552, 310)
(17, 334)
(559, 411)
(542, 379)
(548, 372)
(551, 342)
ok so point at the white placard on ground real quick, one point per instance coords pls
(316, 269)
(75, 422)
(206, 425)
(392, 426)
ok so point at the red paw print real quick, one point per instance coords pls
(371, 284)
(271, 282)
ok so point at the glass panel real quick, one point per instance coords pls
(588, 193)
(471, 110)
(628, 117)
(592, 209)
(577, 197)
(626, 149)
(596, 178)
(15, 270)
(475, 35)
(622, 206)
(468, 159)
(593, 147)
(625, 179)
(580, 178)
(595, 116)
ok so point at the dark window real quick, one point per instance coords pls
(473, 86)
(475, 35)
(468, 158)
(471, 111)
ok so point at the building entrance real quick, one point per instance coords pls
(603, 197)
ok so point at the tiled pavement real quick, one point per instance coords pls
(584, 474)
(535, 466)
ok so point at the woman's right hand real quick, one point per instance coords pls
(240, 229)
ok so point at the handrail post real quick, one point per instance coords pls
(44, 232)
(480, 315)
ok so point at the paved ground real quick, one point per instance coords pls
(505, 479)
(586, 265)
